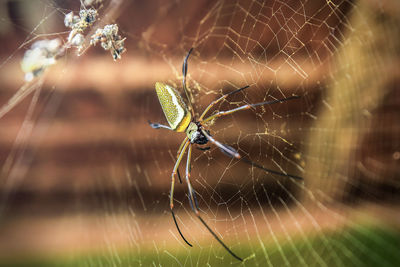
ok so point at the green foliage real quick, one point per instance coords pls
(360, 246)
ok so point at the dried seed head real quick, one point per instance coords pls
(41, 55)
(109, 40)
(88, 15)
(78, 40)
(70, 20)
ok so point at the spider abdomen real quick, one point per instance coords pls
(175, 109)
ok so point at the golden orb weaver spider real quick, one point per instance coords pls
(182, 119)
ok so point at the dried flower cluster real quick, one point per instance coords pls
(44, 53)
(109, 40)
(41, 55)
(79, 24)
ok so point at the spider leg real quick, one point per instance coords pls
(179, 230)
(158, 126)
(184, 72)
(179, 176)
(248, 106)
(181, 146)
(219, 99)
(171, 195)
(177, 155)
(272, 171)
(195, 207)
(231, 152)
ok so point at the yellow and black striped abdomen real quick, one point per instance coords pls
(175, 109)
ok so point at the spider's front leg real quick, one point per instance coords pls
(227, 150)
(195, 206)
(171, 196)
(231, 152)
(247, 106)
(184, 74)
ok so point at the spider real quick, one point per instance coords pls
(182, 119)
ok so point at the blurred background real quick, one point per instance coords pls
(84, 180)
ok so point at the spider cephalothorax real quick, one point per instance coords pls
(195, 134)
(182, 119)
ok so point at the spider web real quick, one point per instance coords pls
(81, 166)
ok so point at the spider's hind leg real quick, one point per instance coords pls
(158, 126)
(195, 207)
(171, 196)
